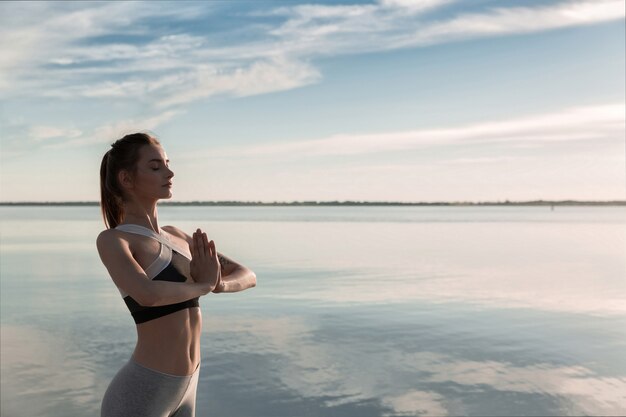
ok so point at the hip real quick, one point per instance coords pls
(140, 391)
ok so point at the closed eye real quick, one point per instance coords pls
(159, 162)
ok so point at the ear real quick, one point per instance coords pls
(125, 179)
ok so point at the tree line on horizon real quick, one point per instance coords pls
(337, 203)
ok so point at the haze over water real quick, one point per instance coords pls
(366, 311)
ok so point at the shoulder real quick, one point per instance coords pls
(107, 236)
(109, 240)
(175, 231)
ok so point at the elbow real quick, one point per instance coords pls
(252, 279)
(247, 280)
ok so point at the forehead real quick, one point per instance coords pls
(150, 152)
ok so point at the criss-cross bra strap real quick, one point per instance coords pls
(165, 255)
(144, 231)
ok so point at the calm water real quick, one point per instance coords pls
(394, 311)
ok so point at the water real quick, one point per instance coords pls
(359, 311)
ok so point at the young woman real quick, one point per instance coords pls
(160, 273)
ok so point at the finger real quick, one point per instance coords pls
(198, 243)
(205, 242)
(203, 247)
(212, 247)
(194, 246)
(214, 254)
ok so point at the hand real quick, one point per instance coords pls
(205, 266)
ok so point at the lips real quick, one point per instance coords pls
(169, 184)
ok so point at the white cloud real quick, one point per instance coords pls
(119, 129)
(414, 5)
(33, 35)
(171, 47)
(606, 121)
(276, 58)
(113, 131)
(260, 77)
(518, 20)
(49, 132)
(313, 22)
(17, 144)
(314, 30)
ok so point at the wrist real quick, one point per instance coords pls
(206, 287)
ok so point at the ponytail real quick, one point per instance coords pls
(110, 202)
(123, 155)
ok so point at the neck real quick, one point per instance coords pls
(143, 213)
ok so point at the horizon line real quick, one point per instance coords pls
(325, 203)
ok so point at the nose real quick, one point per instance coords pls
(170, 173)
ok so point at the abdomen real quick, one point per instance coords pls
(171, 344)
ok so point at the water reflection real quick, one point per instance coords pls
(43, 375)
(349, 319)
(343, 370)
(575, 268)
(349, 361)
(584, 390)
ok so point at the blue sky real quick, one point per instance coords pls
(395, 100)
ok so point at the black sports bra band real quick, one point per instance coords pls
(161, 269)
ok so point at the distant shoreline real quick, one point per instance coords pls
(335, 203)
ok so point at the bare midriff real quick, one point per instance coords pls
(170, 344)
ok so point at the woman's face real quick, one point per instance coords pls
(153, 178)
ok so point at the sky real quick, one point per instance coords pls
(390, 100)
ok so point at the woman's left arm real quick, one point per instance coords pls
(235, 277)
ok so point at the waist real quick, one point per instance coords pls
(137, 365)
(170, 344)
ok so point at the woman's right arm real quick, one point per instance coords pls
(131, 278)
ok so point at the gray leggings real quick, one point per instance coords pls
(137, 391)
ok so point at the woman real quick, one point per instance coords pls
(160, 273)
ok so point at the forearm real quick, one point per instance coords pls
(238, 280)
(165, 292)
